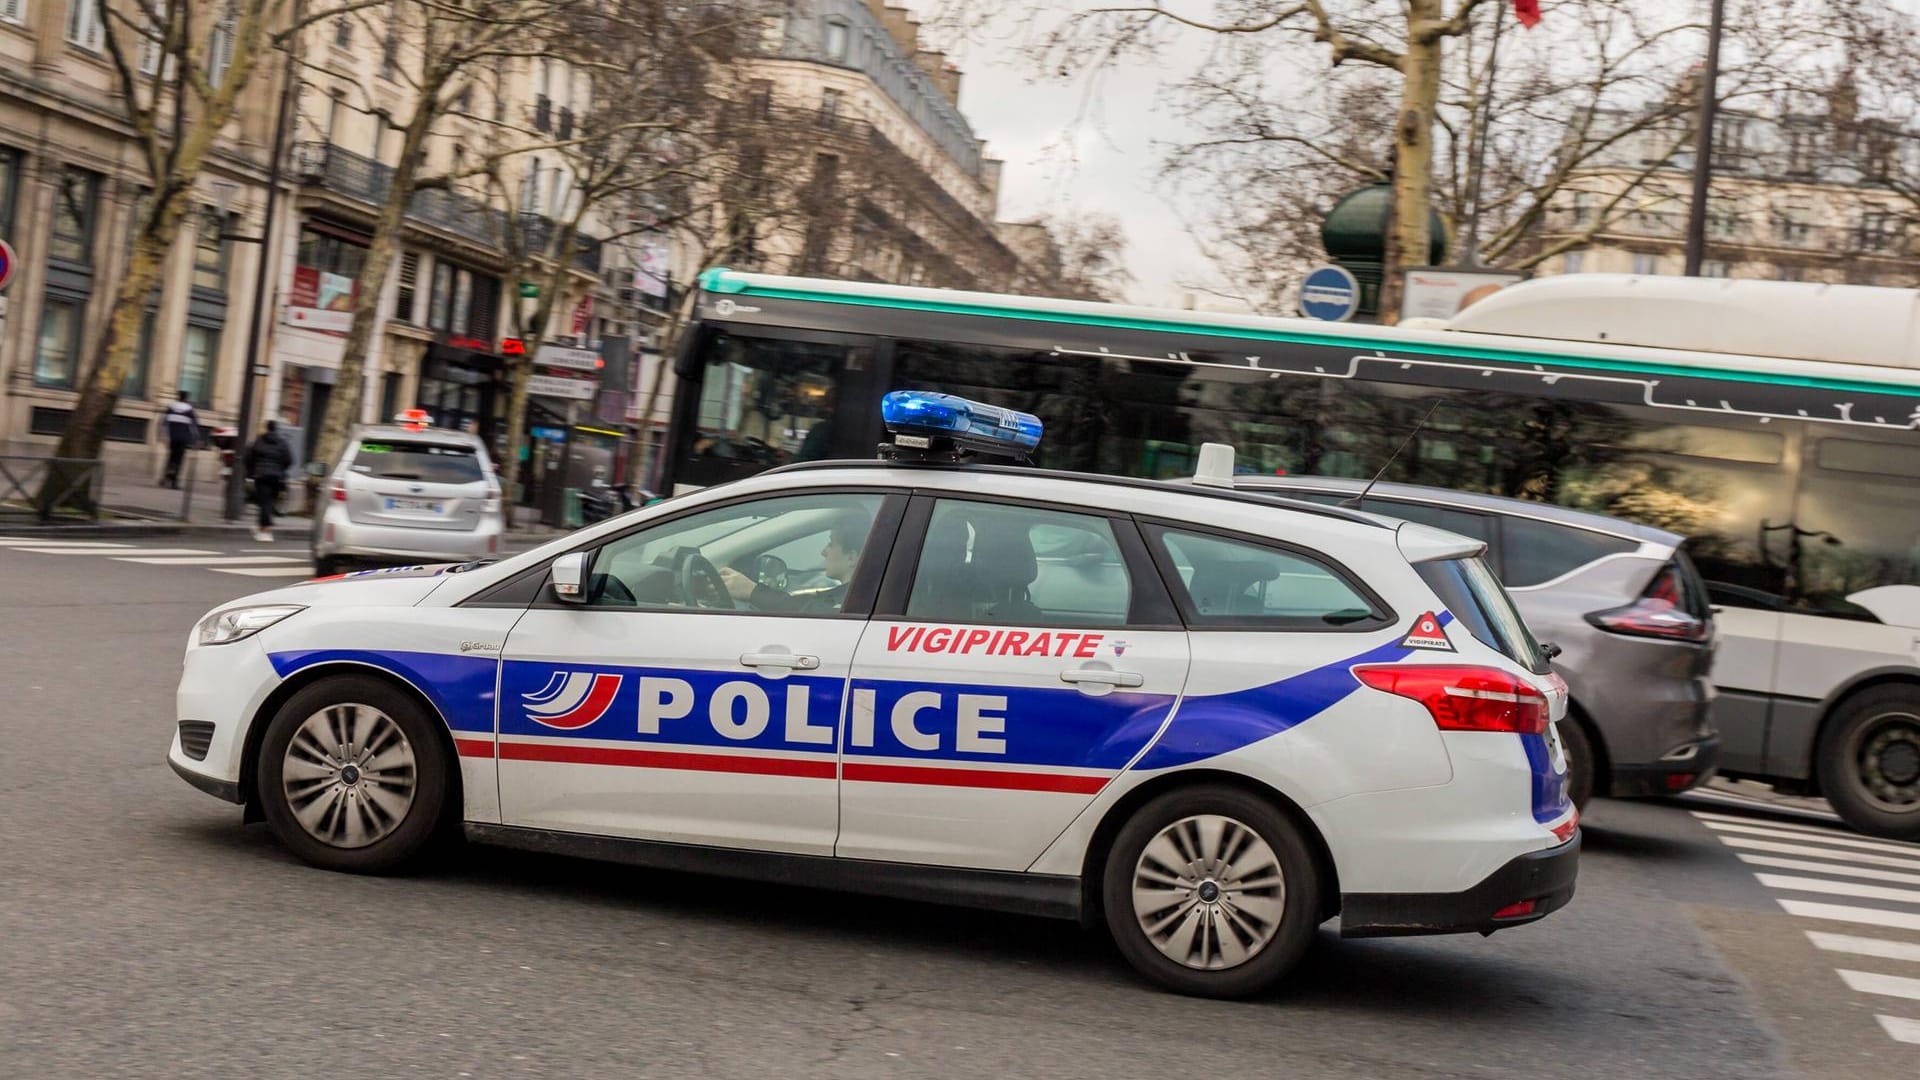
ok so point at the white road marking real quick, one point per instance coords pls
(1745, 844)
(1734, 798)
(1772, 823)
(1831, 868)
(1872, 982)
(1901, 1028)
(1807, 909)
(267, 571)
(212, 560)
(1840, 888)
(1865, 946)
(1834, 840)
(117, 551)
(24, 542)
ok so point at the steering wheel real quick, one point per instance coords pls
(700, 582)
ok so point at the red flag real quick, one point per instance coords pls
(1527, 11)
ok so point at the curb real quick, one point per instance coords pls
(287, 527)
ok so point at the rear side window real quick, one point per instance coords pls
(986, 562)
(1227, 582)
(1539, 551)
(429, 463)
(1469, 589)
(1475, 526)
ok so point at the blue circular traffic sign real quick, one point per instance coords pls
(1329, 293)
(6, 263)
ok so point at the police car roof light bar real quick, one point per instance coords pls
(941, 428)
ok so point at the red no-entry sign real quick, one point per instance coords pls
(6, 264)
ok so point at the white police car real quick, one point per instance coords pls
(1211, 719)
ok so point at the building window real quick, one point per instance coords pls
(462, 301)
(58, 354)
(326, 273)
(75, 202)
(13, 11)
(1879, 230)
(1723, 217)
(390, 48)
(343, 32)
(198, 352)
(84, 24)
(759, 99)
(9, 187)
(829, 107)
(1790, 224)
(441, 296)
(1646, 264)
(1792, 273)
(1582, 207)
(220, 47)
(1714, 268)
(210, 253)
(836, 40)
(1572, 261)
(403, 297)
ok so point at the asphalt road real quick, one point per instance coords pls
(144, 931)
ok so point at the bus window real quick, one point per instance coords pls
(1856, 523)
(763, 402)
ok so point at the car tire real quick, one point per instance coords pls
(1240, 894)
(326, 565)
(353, 775)
(1868, 761)
(1579, 751)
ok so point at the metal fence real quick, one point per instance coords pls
(50, 488)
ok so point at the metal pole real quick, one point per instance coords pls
(1485, 118)
(236, 483)
(1703, 144)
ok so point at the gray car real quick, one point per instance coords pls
(1623, 603)
(408, 493)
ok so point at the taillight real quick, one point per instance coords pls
(1659, 613)
(339, 493)
(1463, 697)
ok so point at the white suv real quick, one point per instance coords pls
(408, 493)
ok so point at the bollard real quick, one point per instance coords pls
(186, 489)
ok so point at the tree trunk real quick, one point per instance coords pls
(343, 406)
(1408, 236)
(113, 356)
(669, 344)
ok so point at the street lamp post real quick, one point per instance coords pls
(236, 481)
(1703, 144)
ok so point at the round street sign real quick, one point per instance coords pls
(1329, 293)
(6, 264)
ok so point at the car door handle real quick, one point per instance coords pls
(1102, 677)
(780, 659)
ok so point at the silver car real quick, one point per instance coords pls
(408, 494)
(1622, 602)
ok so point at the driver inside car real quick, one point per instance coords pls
(838, 559)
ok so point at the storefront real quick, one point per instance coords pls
(462, 387)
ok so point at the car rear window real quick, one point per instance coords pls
(431, 463)
(1470, 590)
(1536, 552)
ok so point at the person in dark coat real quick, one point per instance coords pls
(267, 462)
(183, 431)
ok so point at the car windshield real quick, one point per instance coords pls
(431, 463)
(1470, 590)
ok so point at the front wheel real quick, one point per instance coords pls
(1211, 891)
(352, 776)
(1869, 762)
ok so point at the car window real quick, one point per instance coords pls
(430, 463)
(1234, 583)
(985, 562)
(790, 555)
(1538, 551)
(1467, 588)
(1463, 522)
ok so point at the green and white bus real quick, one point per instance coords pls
(1775, 424)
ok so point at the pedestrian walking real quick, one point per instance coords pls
(267, 462)
(183, 432)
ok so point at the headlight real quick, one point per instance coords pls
(233, 624)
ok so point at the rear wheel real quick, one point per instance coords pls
(1579, 751)
(1211, 891)
(1869, 762)
(352, 776)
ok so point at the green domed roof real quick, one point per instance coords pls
(1356, 227)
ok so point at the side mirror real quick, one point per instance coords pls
(771, 571)
(569, 573)
(1550, 649)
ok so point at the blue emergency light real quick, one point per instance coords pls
(923, 421)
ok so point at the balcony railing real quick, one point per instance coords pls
(363, 179)
(1882, 239)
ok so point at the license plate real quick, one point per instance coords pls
(430, 506)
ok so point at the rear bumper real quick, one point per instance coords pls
(1683, 768)
(335, 536)
(1544, 877)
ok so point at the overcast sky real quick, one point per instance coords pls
(1068, 150)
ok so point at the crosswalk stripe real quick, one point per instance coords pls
(1732, 798)
(116, 552)
(1835, 854)
(64, 545)
(211, 560)
(1809, 828)
(1901, 1028)
(1839, 888)
(1865, 946)
(1831, 868)
(266, 571)
(1872, 982)
(1834, 840)
(1808, 909)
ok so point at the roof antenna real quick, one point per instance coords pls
(1355, 502)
